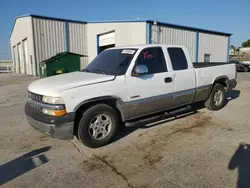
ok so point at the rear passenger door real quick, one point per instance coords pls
(153, 91)
(184, 76)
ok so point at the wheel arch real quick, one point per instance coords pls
(113, 101)
(223, 80)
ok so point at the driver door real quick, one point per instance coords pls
(153, 91)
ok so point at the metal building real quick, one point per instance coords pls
(36, 38)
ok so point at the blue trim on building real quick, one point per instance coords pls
(97, 44)
(197, 47)
(53, 18)
(66, 36)
(45, 17)
(228, 48)
(163, 23)
(149, 33)
(131, 20)
(117, 21)
(189, 28)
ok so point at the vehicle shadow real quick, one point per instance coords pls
(234, 94)
(241, 160)
(125, 131)
(22, 164)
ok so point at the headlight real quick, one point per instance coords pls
(53, 100)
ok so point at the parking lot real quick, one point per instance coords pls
(197, 149)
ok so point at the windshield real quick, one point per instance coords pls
(112, 62)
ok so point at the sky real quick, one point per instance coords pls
(231, 16)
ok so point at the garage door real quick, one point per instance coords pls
(107, 39)
(20, 59)
(25, 56)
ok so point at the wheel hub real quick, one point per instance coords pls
(218, 97)
(100, 126)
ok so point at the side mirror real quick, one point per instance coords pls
(140, 70)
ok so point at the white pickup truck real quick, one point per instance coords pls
(124, 85)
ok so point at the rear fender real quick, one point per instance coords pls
(222, 80)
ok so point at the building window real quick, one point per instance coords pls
(178, 59)
(207, 58)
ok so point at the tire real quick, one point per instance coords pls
(90, 128)
(246, 69)
(210, 104)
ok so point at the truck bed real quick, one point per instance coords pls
(202, 64)
(206, 73)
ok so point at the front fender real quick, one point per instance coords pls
(118, 103)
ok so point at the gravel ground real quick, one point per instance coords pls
(198, 149)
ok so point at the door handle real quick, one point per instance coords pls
(168, 80)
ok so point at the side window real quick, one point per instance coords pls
(154, 59)
(206, 58)
(178, 59)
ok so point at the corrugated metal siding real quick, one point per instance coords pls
(49, 38)
(78, 40)
(167, 35)
(215, 45)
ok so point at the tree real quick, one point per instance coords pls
(246, 43)
(233, 48)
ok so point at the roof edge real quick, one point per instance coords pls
(23, 16)
(189, 28)
(54, 18)
(117, 21)
(44, 17)
(164, 23)
(124, 21)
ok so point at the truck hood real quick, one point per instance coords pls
(53, 85)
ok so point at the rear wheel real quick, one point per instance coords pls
(246, 69)
(98, 125)
(216, 99)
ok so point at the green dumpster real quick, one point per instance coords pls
(61, 63)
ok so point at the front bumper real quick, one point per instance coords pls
(61, 127)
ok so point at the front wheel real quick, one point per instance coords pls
(246, 69)
(216, 99)
(98, 126)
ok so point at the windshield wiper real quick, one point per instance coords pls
(101, 71)
(85, 70)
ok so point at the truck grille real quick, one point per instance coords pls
(35, 97)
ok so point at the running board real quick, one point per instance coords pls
(158, 117)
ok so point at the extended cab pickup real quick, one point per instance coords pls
(125, 84)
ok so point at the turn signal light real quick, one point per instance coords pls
(54, 112)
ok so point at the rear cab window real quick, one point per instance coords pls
(178, 58)
(153, 58)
